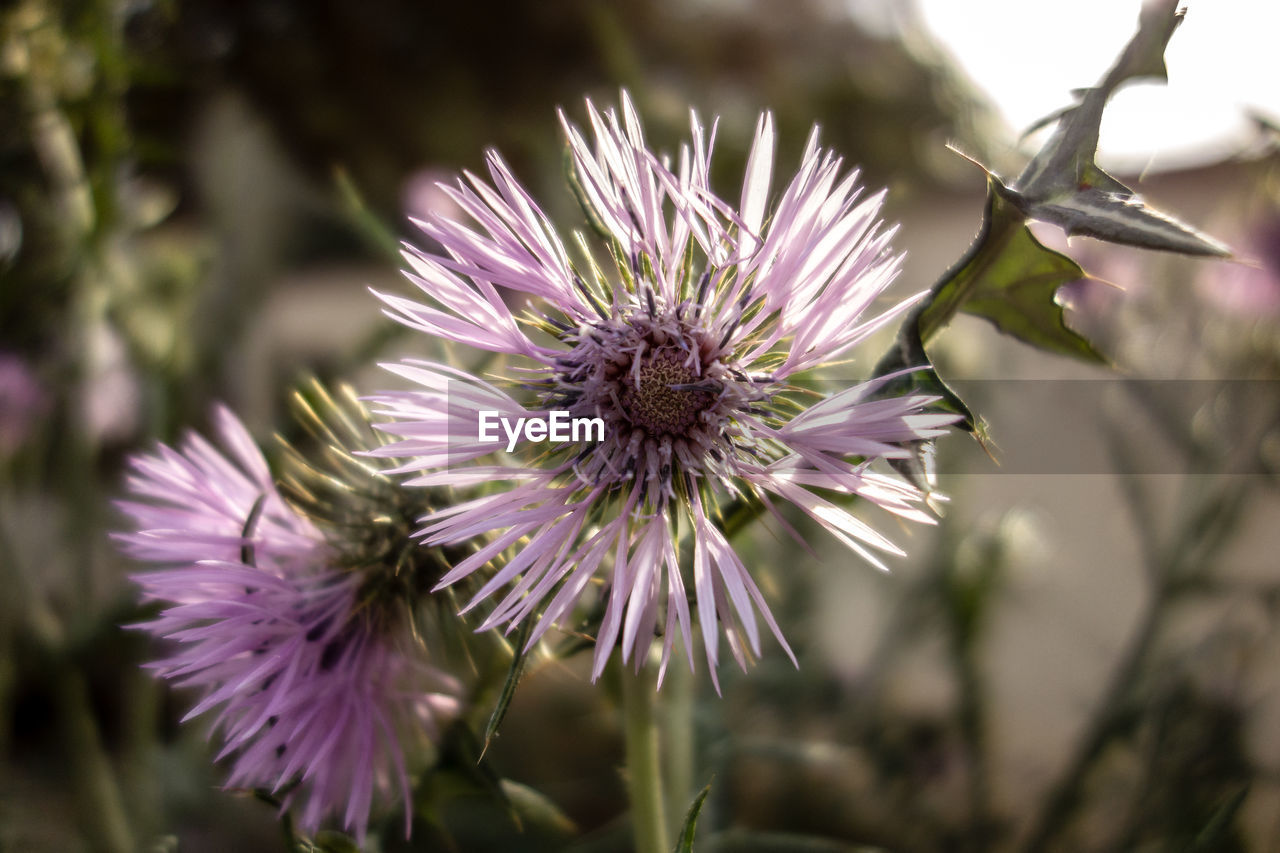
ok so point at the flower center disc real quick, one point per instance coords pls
(653, 404)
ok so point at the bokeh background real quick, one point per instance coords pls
(1082, 655)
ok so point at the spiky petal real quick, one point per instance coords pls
(689, 352)
(311, 698)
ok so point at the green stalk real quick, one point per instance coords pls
(101, 802)
(679, 741)
(644, 774)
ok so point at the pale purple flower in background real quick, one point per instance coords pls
(422, 196)
(23, 402)
(688, 352)
(110, 394)
(1249, 290)
(305, 686)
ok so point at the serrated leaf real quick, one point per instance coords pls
(908, 354)
(684, 842)
(1069, 154)
(916, 375)
(1012, 280)
(509, 686)
(1063, 184)
(1123, 217)
(1007, 275)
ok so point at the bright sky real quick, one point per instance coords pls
(1029, 54)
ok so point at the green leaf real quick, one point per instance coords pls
(1124, 218)
(378, 235)
(1007, 275)
(509, 686)
(328, 841)
(684, 842)
(908, 354)
(1068, 156)
(756, 841)
(459, 770)
(1063, 184)
(536, 810)
(1012, 280)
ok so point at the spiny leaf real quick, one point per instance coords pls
(1069, 154)
(908, 354)
(1007, 275)
(1063, 184)
(1012, 280)
(684, 843)
(509, 686)
(1123, 217)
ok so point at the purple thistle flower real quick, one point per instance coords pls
(688, 354)
(314, 696)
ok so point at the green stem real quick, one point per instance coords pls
(1000, 222)
(1108, 720)
(101, 802)
(1203, 528)
(644, 775)
(678, 743)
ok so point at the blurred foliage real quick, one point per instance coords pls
(384, 87)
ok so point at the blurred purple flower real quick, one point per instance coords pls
(423, 195)
(688, 355)
(23, 401)
(1251, 289)
(110, 393)
(314, 698)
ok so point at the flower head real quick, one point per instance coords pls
(689, 353)
(315, 695)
